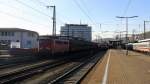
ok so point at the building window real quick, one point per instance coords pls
(5, 42)
(6, 33)
(11, 33)
(17, 40)
(28, 44)
(30, 34)
(2, 33)
(9, 41)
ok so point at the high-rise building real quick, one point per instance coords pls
(82, 31)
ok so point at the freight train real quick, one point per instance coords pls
(49, 45)
(141, 46)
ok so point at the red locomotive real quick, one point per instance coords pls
(52, 45)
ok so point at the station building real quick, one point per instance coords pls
(18, 38)
(82, 31)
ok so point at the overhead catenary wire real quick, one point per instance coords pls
(15, 8)
(21, 18)
(84, 12)
(126, 10)
(87, 9)
(85, 6)
(127, 7)
(89, 13)
(45, 5)
(42, 13)
(42, 3)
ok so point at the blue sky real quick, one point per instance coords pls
(33, 14)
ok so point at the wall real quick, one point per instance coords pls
(23, 38)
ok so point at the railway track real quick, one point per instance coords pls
(49, 72)
(17, 61)
(14, 76)
(53, 73)
(22, 74)
(76, 74)
(4, 66)
(7, 65)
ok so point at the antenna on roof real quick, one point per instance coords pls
(80, 22)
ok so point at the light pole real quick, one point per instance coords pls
(54, 25)
(54, 19)
(68, 31)
(145, 29)
(126, 29)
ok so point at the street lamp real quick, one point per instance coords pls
(126, 29)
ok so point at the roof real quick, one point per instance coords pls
(114, 40)
(76, 24)
(16, 30)
(59, 37)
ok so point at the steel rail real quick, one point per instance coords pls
(14, 76)
(75, 69)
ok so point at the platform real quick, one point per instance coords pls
(117, 68)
